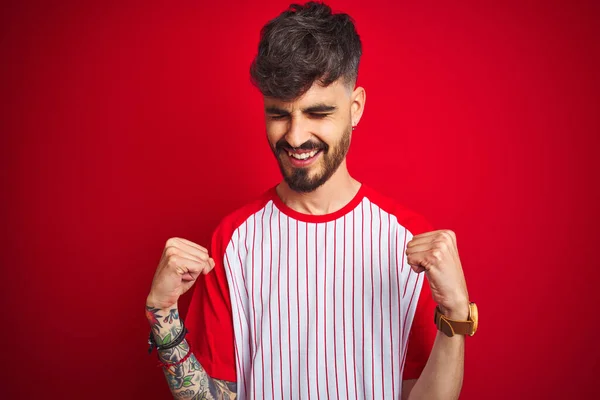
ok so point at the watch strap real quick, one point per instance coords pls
(452, 327)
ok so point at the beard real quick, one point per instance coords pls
(300, 179)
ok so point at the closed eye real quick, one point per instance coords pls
(277, 117)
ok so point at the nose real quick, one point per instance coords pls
(297, 133)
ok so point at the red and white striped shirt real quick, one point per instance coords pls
(314, 306)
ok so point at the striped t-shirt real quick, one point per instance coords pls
(314, 306)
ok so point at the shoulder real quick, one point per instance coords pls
(412, 220)
(232, 221)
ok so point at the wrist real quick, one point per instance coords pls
(458, 312)
(160, 306)
(167, 337)
(161, 319)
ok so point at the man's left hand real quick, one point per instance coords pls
(436, 253)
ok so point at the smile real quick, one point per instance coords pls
(303, 156)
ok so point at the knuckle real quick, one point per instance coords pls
(436, 255)
(440, 245)
(172, 261)
(171, 251)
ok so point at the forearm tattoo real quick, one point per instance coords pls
(188, 380)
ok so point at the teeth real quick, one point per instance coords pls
(303, 156)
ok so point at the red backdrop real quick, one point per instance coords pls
(125, 124)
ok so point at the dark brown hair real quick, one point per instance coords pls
(303, 44)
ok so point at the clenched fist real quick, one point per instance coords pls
(181, 263)
(436, 254)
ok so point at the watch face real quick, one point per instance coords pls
(474, 317)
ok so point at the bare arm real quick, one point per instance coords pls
(435, 253)
(407, 386)
(442, 376)
(188, 380)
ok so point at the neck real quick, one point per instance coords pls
(330, 197)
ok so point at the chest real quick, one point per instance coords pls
(329, 266)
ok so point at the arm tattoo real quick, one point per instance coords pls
(188, 380)
(218, 390)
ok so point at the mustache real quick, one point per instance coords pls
(283, 145)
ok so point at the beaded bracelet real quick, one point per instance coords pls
(175, 342)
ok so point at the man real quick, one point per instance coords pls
(321, 288)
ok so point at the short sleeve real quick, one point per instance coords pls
(209, 317)
(422, 335)
(423, 330)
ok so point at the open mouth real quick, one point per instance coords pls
(303, 157)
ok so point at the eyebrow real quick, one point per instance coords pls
(317, 108)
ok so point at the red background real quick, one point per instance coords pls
(124, 125)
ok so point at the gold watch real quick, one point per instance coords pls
(451, 327)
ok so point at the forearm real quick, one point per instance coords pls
(442, 376)
(189, 379)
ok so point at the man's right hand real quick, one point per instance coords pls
(181, 263)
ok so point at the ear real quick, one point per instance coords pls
(358, 99)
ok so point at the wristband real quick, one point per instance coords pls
(175, 342)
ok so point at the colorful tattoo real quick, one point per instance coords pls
(188, 380)
(173, 314)
(152, 316)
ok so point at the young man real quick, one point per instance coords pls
(322, 287)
